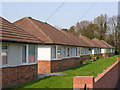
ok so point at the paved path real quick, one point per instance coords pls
(42, 75)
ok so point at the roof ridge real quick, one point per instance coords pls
(64, 33)
(19, 20)
(38, 28)
(18, 36)
(24, 30)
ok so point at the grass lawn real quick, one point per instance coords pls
(66, 81)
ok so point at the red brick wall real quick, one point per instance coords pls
(19, 74)
(60, 65)
(44, 66)
(107, 79)
(108, 54)
(97, 55)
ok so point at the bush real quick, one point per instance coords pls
(118, 51)
(86, 61)
(91, 56)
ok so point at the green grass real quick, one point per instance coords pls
(66, 81)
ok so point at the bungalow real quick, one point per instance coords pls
(18, 54)
(30, 47)
(96, 49)
(106, 49)
(62, 50)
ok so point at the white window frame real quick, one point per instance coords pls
(27, 54)
(80, 51)
(6, 50)
(35, 53)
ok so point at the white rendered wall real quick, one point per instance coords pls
(102, 50)
(93, 51)
(44, 52)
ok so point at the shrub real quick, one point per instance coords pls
(91, 56)
(86, 61)
(118, 52)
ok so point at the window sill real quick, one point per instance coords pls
(4, 66)
(66, 57)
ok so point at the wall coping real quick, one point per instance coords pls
(100, 75)
(81, 81)
(10, 66)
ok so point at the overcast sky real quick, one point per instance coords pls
(69, 14)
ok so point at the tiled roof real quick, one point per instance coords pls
(101, 44)
(10, 32)
(109, 46)
(48, 33)
(76, 39)
(89, 41)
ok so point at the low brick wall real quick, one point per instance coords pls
(108, 54)
(107, 79)
(60, 65)
(97, 55)
(44, 66)
(19, 74)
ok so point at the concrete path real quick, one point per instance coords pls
(42, 75)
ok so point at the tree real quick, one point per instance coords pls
(72, 30)
(92, 30)
(101, 21)
(114, 29)
(81, 27)
(65, 29)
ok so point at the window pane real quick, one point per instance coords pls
(4, 58)
(4, 46)
(54, 52)
(23, 54)
(64, 52)
(76, 51)
(4, 54)
(31, 54)
(59, 52)
(68, 51)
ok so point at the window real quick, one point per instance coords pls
(64, 52)
(54, 52)
(80, 51)
(31, 57)
(100, 50)
(59, 52)
(76, 50)
(4, 54)
(90, 50)
(24, 49)
(68, 50)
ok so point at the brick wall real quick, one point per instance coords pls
(108, 54)
(44, 66)
(19, 74)
(60, 65)
(97, 55)
(107, 79)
